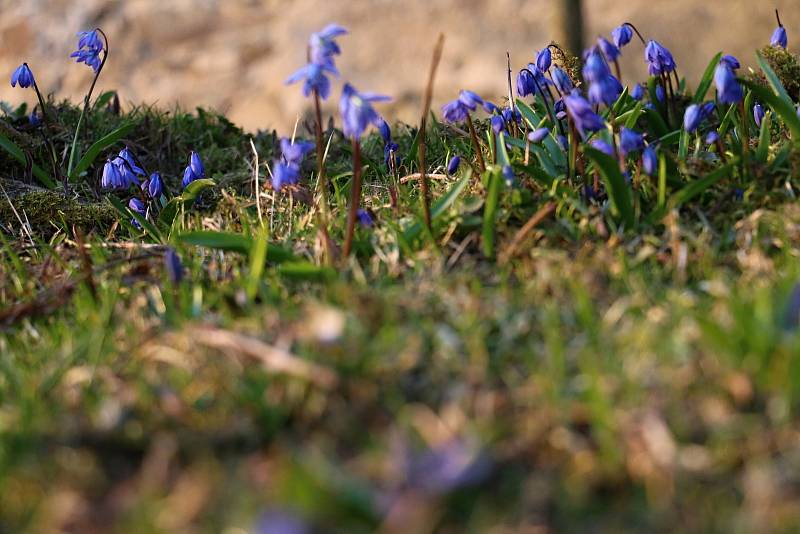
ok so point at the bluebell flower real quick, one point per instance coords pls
(712, 137)
(357, 112)
(595, 68)
(525, 83)
(90, 46)
(560, 108)
(455, 111)
(605, 91)
(582, 114)
(544, 59)
(23, 76)
(188, 176)
(637, 93)
(708, 108)
(130, 159)
(293, 153)
(173, 266)
(562, 81)
(508, 174)
(608, 48)
(315, 79)
(452, 166)
(138, 207)
(155, 186)
(730, 61)
(196, 164)
(603, 146)
(538, 135)
(692, 118)
(498, 124)
(630, 140)
(385, 131)
(563, 142)
(111, 179)
(649, 161)
(490, 108)
(90, 39)
(660, 93)
(511, 115)
(34, 120)
(728, 89)
(758, 114)
(779, 38)
(659, 59)
(284, 174)
(323, 46)
(622, 35)
(470, 99)
(389, 149)
(129, 177)
(364, 218)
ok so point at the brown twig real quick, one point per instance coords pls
(423, 126)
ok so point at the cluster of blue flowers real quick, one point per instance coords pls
(90, 46)
(286, 169)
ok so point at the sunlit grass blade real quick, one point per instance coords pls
(706, 80)
(99, 146)
(781, 107)
(619, 191)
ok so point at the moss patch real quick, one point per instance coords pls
(47, 210)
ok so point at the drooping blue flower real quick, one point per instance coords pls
(364, 218)
(138, 207)
(188, 177)
(23, 76)
(293, 153)
(605, 91)
(389, 150)
(728, 89)
(452, 166)
(712, 137)
(490, 108)
(708, 109)
(779, 38)
(385, 131)
(649, 161)
(525, 83)
(630, 140)
(562, 81)
(659, 59)
(111, 179)
(90, 39)
(315, 79)
(595, 68)
(608, 48)
(173, 266)
(508, 174)
(357, 112)
(455, 111)
(155, 186)
(582, 114)
(129, 177)
(560, 109)
(603, 146)
(34, 120)
(283, 175)
(470, 99)
(323, 46)
(758, 114)
(538, 135)
(130, 159)
(637, 93)
(622, 35)
(196, 164)
(498, 124)
(692, 118)
(544, 59)
(90, 46)
(661, 95)
(511, 115)
(730, 61)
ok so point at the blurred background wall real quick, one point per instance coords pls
(233, 55)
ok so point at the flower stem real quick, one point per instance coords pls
(355, 198)
(49, 140)
(475, 144)
(322, 182)
(86, 102)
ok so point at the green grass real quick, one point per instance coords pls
(633, 366)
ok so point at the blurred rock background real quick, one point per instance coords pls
(233, 55)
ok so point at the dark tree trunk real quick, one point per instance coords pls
(568, 19)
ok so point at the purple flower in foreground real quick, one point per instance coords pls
(622, 35)
(692, 118)
(608, 48)
(364, 218)
(712, 137)
(605, 91)
(779, 38)
(23, 76)
(155, 186)
(470, 99)
(562, 81)
(525, 83)
(111, 179)
(728, 89)
(758, 114)
(315, 79)
(730, 61)
(173, 266)
(188, 177)
(498, 124)
(659, 59)
(649, 161)
(452, 166)
(544, 59)
(196, 164)
(630, 141)
(130, 159)
(637, 93)
(602, 146)
(323, 46)
(582, 114)
(294, 153)
(538, 135)
(283, 175)
(357, 112)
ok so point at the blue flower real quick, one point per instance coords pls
(111, 179)
(712, 137)
(315, 79)
(155, 186)
(660, 93)
(728, 89)
(490, 108)
(322, 45)
(138, 207)
(692, 118)
(511, 115)
(498, 124)
(34, 119)
(389, 150)
(188, 177)
(508, 174)
(455, 111)
(544, 59)
(357, 112)
(602, 146)
(731, 62)
(659, 59)
(293, 153)
(649, 161)
(284, 174)
(23, 76)
(608, 48)
(385, 131)
(622, 35)
(758, 114)
(130, 159)
(595, 69)
(630, 141)
(779, 38)
(470, 99)
(364, 218)
(196, 164)
(562, 81)
(605, 91)
(173, 266)
(126, 171)
(525, 83)
(638, 92)
(90, 46)
(585, 119)
(452, 166)
(538, 135)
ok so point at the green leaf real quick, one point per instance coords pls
(440, 206)
(618, 190)
(168, 212)
(9, 146)
(692, 190)
(104, 99)
(258, 256)
(773, 79)
(99, 146)
(303, 270)
(706, 80)
(656, 122)
(233, 242)
(762, 152)
(785, 110)
(191, 192)
(683, 145)
(490, 212)
(125, 212)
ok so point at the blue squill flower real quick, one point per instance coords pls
(605, 91)
(188, 177)
(126, 171)
(595, 69)
(508, 174)
(34, 120)
(603, 146)
(560, 109)
(562, 81)
(659, 59)
(293, 153)
(498, 124)
(779, 38)
(155, 186)
(130, 159)
(470, 99)
(364, 218)
(23, 76)
(452, 166)
(649, 161)
(490, 108)
(390, 148)
(525, 83)
(563, 142)
(357, 112)
(90, 46)
(455, 111)
(582, 114)
(637, 93)
(630, 141)
(173, 266)
(660, 93)
(728, 89)
(608, 48)
(758, 114)
(622, 35)
(511, 115)
(731, 62)
(283, 175)
(196, 164)
(138, 207)
(385, 131)
(315, 79)
(712, 137)
(692, 118)
(538, 135)
(111, 179)
(323, 46)
(544, 59)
